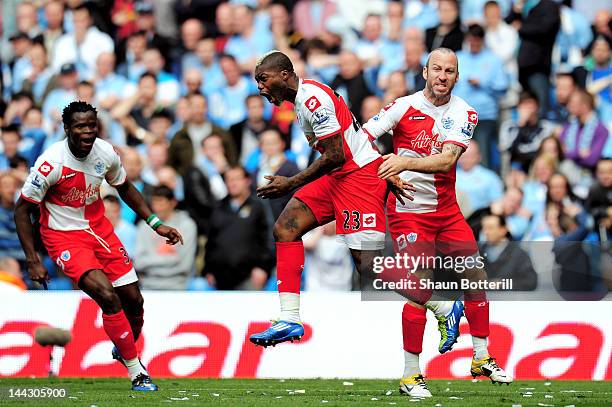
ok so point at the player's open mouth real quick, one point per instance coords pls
(270, 98)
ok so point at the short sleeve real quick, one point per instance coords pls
(385, 121)
(320, 112)
(115, 175)
(42, 176)
(462, 130)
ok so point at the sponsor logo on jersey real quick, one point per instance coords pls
(99, 167)
(321, 117)
(65, 256)
(447, 123)
(76, 194)
(45, 168)
(36, 181)
(472, 116)
(369, 220)
(416, 118)
(401, 242)
(424, 140)
(66, 176)
(312, 104)
(412, 237)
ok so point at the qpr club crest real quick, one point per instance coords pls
(99, 167)
(65, 256)
(447, 123)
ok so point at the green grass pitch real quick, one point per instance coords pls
(294, 392)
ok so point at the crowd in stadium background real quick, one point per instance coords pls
(173, 85)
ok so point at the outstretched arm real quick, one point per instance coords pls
(131, 196)
(332, 158)
(437, 163)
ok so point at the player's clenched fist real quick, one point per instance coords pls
(37, 271)
(169, 233)
(392, 165)
(278, 186)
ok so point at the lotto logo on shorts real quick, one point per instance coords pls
(369, 220)
(45, 168)
(401, 242)
(312, 103)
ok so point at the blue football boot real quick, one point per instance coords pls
(448, 325)
(280, 331)
(143, 382)
(117, 355)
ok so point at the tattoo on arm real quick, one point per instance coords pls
(454, 150)
(332, 158)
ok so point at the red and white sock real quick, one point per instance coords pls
(477, 314)
(413, 329)
(120, 333)
(289, 267)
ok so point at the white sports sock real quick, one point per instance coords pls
(411, 364)
(439, 307)
(480, 347)
(290, 307)
(135, 368)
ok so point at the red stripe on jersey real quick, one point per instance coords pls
(94, 212)
(343, 114)
(70, 190)
(345, 119)
(445, 187)
(414, 131)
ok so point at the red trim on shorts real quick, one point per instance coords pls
(455, 143)
(25, 198)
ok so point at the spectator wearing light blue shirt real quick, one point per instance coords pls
(109, 87)
(480, 186)
(373, 48)
(484, 81)
(192, 30)
(472, 10)
(207, 63)
(574, 35)
(420, 13)
(248, 44)
(59, 97)
(227, 105)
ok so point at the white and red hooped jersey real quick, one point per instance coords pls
(421, 129)
(323, 113)
(68, 188)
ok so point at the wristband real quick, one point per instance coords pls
(154, 222)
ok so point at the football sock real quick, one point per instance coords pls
(477, 314)
(135, 368)
(136, 322)
(439, 307)
(119, 331)
(480, 347)
(289, 266)
(411, 364)
(413, 328)
(290, 307)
